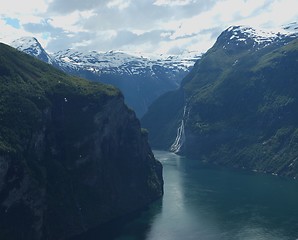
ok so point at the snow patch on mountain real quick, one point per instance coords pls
(31, 46)
(120, 62)
(260, 37)
(291, 27)
(26, 43)
(140, 78)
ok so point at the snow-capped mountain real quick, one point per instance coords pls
(235, 102)
(141, 79)
(248, 37)
(31, 46)
(119, 62)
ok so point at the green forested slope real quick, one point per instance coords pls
(242, 108)
(72, 155)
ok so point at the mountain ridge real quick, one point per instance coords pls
(238, 98)
(141, 79)
(31, 46)
(72, 155)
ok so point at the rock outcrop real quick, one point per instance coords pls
(72, 155)
(237, 107)
(140, 79)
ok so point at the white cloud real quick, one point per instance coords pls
(120, 4)
(143, 25)
(24, 13)
(69, 6)
(172, 2)
(283, 12)
(9, 33)
(69, 22)
(22, 8)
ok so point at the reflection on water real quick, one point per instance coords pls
(208, 203)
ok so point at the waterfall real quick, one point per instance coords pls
(180, 138)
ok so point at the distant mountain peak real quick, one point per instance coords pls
(258, 34)
(247, 37)
(119, 62)
(141, 78)
(25, 42)
(291, 27)
(31, 46)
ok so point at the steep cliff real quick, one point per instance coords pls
(238, 106)
(140, 79)
(72, 155)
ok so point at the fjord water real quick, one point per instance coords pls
(203, 202)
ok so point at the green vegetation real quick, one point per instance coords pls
(27, 87)
(162, 119)
(72, 155)
(243, 108)
(244, 105)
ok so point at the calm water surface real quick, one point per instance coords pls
(207, 203)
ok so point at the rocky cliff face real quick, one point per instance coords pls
(140, 79)
(238, 106)
(72, 155)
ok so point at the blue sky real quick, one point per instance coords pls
(146, 26)
(13, 22)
